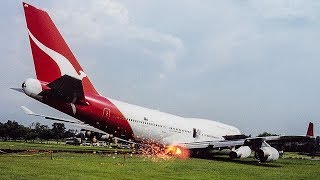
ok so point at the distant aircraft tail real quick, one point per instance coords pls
(51, 54)
(310, 130)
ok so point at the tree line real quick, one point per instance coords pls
(12, 130)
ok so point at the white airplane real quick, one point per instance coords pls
(62, 84)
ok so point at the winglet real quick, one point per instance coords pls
(310, 130)
(27, 111)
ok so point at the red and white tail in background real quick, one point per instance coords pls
(310, 130)
(51, 54)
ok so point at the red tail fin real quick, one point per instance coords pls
(51, 54)
(310, 130)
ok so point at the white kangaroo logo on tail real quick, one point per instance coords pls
(64, 64)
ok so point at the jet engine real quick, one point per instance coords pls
(32, 87)
(266, 154)
(241, 152)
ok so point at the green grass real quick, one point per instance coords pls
(20, 145)
(109, 166)
(93, 166)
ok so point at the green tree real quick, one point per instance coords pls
(32, 135)
(22, 132)
(25, 132)
(58, 130)
(12, 130)
(69, 133)
(2, 131)
(45, 132)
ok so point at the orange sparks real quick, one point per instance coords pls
(156, 151)
(153, 150)
(177, 151)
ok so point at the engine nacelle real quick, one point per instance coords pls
(32, 87)
(241, 152)
(105, 136)
(266, 154)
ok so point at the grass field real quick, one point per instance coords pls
(110, 166)
(20, 145)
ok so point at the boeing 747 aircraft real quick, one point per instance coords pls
(61, 83)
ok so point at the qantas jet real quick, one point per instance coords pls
(61, 83)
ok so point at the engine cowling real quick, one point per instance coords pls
(241, 152)
(32, 87)
(266, 154)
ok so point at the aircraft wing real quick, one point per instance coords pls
(213, 144)
(240, 140)
(249, 141)
(238, 147)
(78, 123)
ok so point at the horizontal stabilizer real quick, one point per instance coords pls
(18, 89)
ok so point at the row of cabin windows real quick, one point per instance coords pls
(157, 125)
(117, 117)
(143, 122)
(171, 128)
(207, 135)
(180, 130)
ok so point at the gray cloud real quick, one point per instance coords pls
(107, 23)
(252, 64)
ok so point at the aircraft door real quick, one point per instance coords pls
(106, 113)
(195, 133)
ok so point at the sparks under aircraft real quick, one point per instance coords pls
(61, 83)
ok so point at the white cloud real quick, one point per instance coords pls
(114, 9)
(251, 32)
(108, 22)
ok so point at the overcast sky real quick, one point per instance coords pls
(251, 64)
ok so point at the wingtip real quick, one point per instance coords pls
(26, 110)
(25, 4)
(17, 89)
(310, 130)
